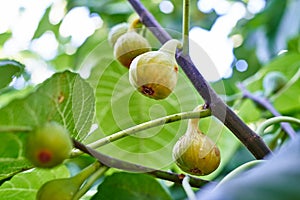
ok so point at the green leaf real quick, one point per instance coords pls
(8, 70)
(128, 186)
(278, 178)
(248, 111)
(11, 154)
(45, 25)
(25, 185)
(4, 36)
(65, 98)
(120, 106)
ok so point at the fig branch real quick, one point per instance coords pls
(123, 165)
(150, 124)
(268, 106)
(219, 109)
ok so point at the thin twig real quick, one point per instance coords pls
(146, 125)
(127, 166)
(268, 106)
(274, 120)
(186, 26)
(15, 129)
(219, 109)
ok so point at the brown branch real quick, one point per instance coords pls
(268, 106)
(219, 109)
(127, 166)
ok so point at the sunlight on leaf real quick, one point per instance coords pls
(25, 185)
(65, 98)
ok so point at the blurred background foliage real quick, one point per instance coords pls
(264, 39)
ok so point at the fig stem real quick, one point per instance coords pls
(146, 125)
(170, 47)
(185, 26)
(89, 183)
(134, 24)
(86, 172)
(187, 188)
(260, 130)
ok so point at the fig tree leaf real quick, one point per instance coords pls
(11, 154)
(26, 184)
(278, 179)
(65, 98)
(8, 70)
(127, 186)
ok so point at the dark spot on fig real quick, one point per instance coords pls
(176, 68)
(147, 90)
(44, 156)
(196, 171)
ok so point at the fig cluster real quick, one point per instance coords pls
(153, 73)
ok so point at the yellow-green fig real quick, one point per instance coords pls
(59, 189)
(195, 153)
(155, 73)
(273, 82)
(116, 32)
(130, 45)
(65, 188)
(48, 145)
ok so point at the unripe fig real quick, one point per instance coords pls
(65, 188)
(48, 145)
(130, 45)
(273, 82)
(155, 73)
(116, 31)
(59, 189)
(195, 153)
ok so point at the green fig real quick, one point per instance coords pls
(273, 82)
(65, 188)
(155, 73)
(130, 45)
(195, 153)
(48, 145)
(116, 31)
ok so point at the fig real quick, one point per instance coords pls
(195, 153)
(130, 45)
(116, 31)
(65, 188)
(273, 82)
(155, 73)
(48, 145)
